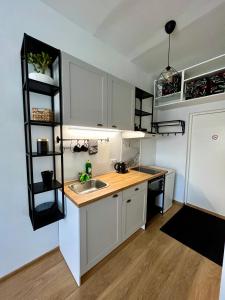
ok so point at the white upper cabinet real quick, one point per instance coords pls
(121, 104)
(84, 93)
(94, 98)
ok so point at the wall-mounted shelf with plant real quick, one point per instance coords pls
(41, 74)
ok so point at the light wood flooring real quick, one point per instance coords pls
(151, 265)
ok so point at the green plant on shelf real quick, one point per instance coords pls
(40, 61)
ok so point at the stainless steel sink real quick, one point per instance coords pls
(88, 186)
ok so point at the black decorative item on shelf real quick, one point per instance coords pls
(168, 124)
(140, 95)
(205, 86)
(49, 211)
(169, 80)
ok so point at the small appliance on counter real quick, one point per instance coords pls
(121, 167)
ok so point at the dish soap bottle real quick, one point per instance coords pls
(88, 168)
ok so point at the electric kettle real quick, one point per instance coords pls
(121, 167)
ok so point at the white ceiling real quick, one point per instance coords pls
(135, 28)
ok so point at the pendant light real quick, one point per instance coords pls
(168, 75)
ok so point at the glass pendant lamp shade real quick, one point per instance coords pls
(169, 80)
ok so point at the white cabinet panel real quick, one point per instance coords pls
(133, 212)
(101, 230)
(84, 93)
(121, 104)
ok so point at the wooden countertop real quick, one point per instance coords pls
(117, 182)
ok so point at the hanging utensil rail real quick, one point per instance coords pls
(58, 139)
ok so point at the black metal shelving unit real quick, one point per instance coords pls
(142, 95)
(49, 211)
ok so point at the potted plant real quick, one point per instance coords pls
(41, 62)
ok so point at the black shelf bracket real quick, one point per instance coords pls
(166, 124)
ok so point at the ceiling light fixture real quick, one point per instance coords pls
(167, 75)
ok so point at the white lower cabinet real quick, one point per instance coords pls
(133, 213)
(100, 230)
(89, 233)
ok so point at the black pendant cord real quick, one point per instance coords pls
(169, 52)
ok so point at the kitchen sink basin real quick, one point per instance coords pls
(88, 186)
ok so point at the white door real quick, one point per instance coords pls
(121, 104)
(206, 173)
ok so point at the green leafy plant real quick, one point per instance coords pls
(40, 61)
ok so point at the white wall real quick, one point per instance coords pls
(102, 162)
(19, 244)
(171, 151)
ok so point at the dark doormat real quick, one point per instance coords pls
(198, 230)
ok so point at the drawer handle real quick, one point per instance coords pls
(99, 124)
(129, 200)
(115, 196)
(114, 126)
(137, 189)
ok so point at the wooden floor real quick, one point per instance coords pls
(151, 266)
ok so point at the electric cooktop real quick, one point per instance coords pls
(146, 170)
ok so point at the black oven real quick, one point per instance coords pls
(155, 200)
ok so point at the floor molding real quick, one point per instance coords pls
(28, 264)
(206, 211)
(178, 203)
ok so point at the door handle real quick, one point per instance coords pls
(137, 189)
(114, 126)
(115, 196)
(99, 124)
(128, 201)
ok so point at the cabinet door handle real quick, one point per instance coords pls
(137, 189)
(115, 196)
(99, 124)
(129, 200)
(114, 126)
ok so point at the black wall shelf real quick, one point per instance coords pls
(49, 211)
(43, 123)
(141, 95)
(50, 153)
(172, 123)
(141, 113)
(39, 187)
(40, 87)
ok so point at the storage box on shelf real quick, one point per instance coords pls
(201, 83)
(166, 94)
(48, 211)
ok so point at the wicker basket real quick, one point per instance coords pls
(42, 114)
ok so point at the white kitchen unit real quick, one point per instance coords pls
(93, 98)
(121, 104)
(84, 93)
(89, 233)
